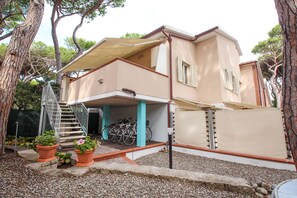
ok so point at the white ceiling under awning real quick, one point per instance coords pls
(108, 49)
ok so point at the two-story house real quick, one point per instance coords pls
(151, 77)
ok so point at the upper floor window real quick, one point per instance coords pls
(231, 81)
(186, 73)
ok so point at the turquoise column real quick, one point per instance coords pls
(141, 123)
(105, 120)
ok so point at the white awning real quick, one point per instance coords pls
(193, 105)
(108, 49)
(237, 105)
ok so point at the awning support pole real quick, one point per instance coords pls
(141, 123)
(105, 121)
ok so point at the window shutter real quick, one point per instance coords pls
(230, 83)
(179, 69)
(194, 81)
(226, 78)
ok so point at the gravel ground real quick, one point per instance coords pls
(19, 181)
(207, 165)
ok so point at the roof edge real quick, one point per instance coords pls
(206, 32)
(248, 62)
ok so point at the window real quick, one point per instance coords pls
(235, 83)
(186, 73)
(228, 79)
(231, 81)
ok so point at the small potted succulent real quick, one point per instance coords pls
(46, 145)
(84, 149)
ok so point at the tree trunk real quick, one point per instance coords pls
(54, 23)
(276, 92)
(20, 42)
(79, 49)
(287, 12)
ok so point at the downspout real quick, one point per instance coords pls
(169, 37)
(170, 78)
(259, 90)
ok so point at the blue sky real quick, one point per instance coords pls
(247, 20)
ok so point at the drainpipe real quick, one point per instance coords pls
(170, 77)
(259, 89)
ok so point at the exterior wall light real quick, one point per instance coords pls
(100, 81)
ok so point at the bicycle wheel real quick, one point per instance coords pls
(113, 135)
(130, 138)
(148, 134)
(120, 134)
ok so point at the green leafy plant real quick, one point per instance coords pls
(63, 158)
(48, 138)
(86, 144)
(26, 142)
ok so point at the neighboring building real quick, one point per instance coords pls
(253, 88)
(167, 69)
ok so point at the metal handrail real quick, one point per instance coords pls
(53, 109)
(82, 114)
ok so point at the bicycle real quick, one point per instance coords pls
(130, 138)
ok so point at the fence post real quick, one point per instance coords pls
(210, 130)
(16, 135)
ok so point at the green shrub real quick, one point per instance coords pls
(63, 158)
(48, 138)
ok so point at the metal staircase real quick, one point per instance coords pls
(70, 128)
(62, 118)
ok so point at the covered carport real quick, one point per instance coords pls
(119, 107)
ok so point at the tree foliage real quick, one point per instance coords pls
(13, 12)
(270, 53)
(28, 96)
(83, 43)
(40, 61)
(132, 35)
(87, 10)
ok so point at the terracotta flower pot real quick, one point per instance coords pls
(46, 153)
(85, 159)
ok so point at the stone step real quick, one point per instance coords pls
(68, 119)
(71, 133)
(67, 115)
(67, 112)
(70, 123)
(71, 127)
(66, 108)
(66, 144)
(72, 137)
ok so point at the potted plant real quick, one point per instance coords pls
(46, 145)
(84, 149)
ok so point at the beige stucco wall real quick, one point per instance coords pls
(209, 83)
(142, 81)
(65, 87)
(115, 76)
(229, 59)
(210, 56)
(88, 85)
(255, 132)
(186, 51)
(190, 128)
(247, 88)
